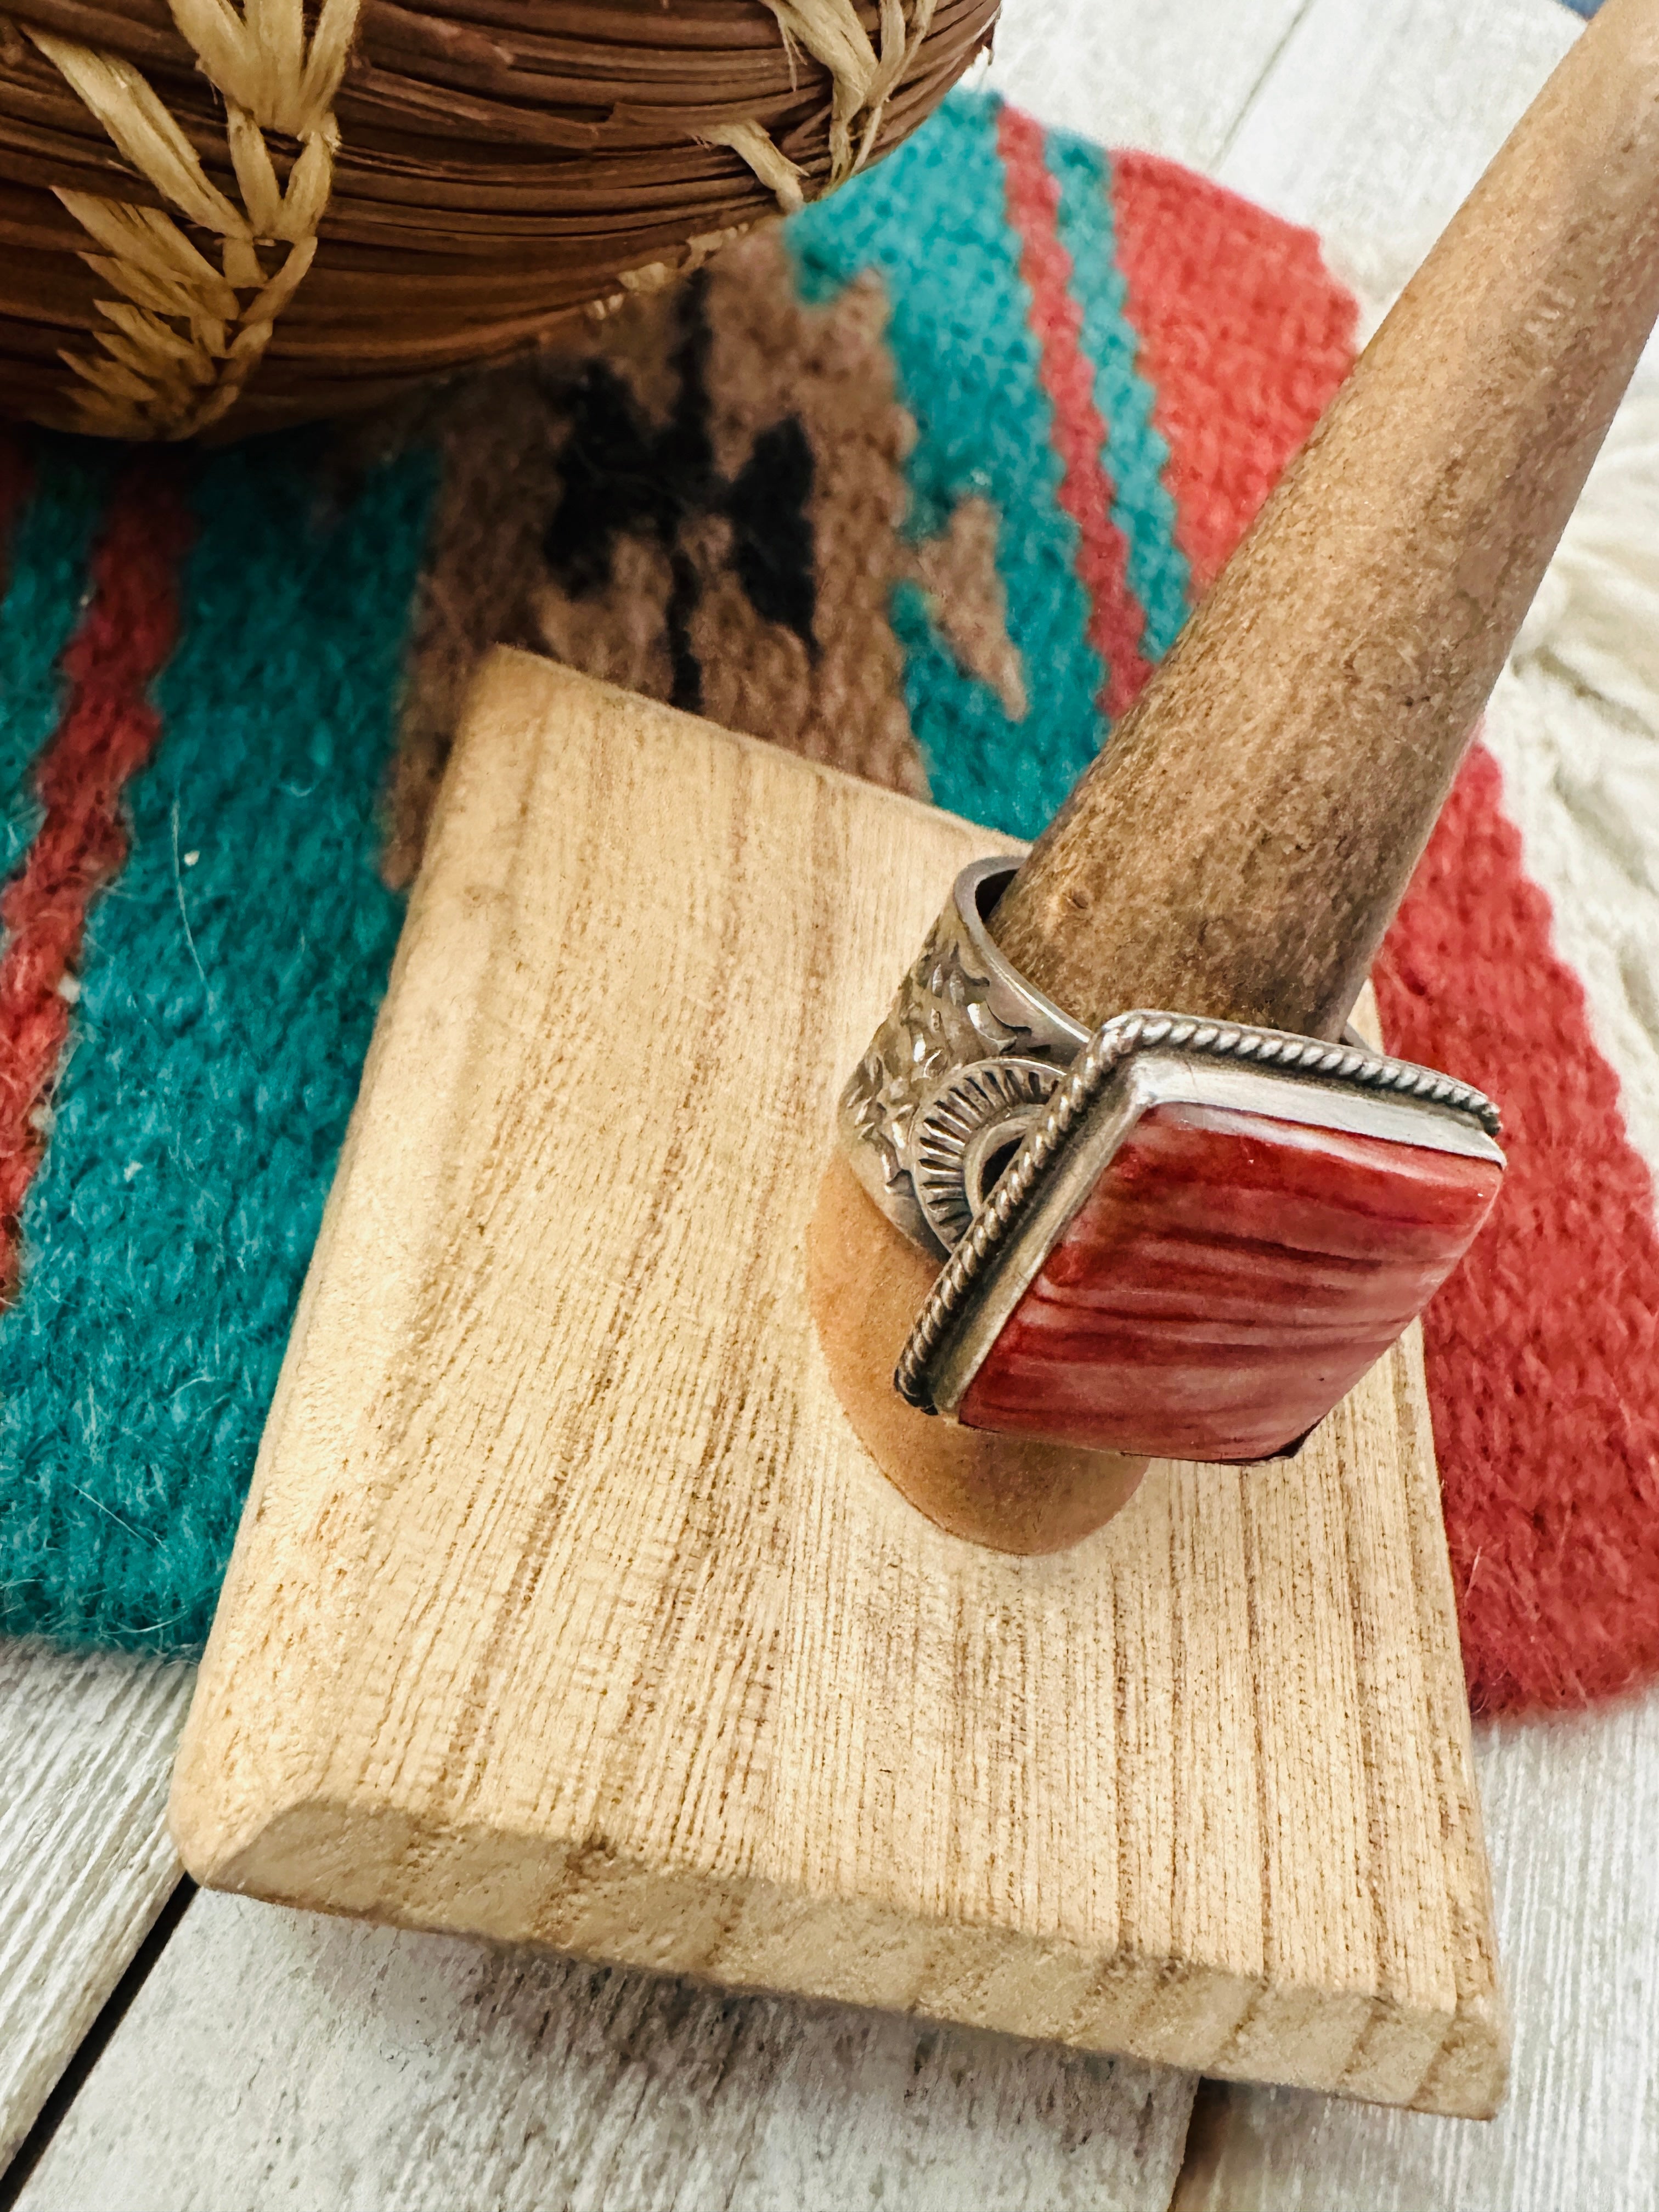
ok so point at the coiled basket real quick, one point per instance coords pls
(232, 214)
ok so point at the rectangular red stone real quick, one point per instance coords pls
(1228, 1281)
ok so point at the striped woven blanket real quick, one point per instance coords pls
(921, 484)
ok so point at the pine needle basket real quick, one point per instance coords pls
(227, 215)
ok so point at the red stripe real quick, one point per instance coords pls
(106, 731)
(1117, 621)
(1544, 1348)
(1244, 337)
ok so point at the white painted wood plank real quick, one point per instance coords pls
(1574, 723)
(1572, 1808)
(1174, 77)
(1375, 121)
(275, 2058)
(86, 1864)
(1377, 116)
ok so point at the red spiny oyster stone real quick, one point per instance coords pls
(1228, 1280)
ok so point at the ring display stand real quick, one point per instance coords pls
(567, 1609)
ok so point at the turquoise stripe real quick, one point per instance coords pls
(230, 988)
(1136, 455)
(47, 564)
(932, 222)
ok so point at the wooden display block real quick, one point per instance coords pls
(567, 1609)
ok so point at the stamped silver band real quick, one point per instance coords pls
(962, 1007)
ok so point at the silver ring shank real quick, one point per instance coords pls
(962, 1002)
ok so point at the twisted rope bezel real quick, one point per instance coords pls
(1112, 1044)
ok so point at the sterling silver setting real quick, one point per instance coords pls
(1131, 1063)
(965, 1132)
(962, 1007)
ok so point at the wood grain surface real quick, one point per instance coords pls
(567, 1609)
(1573, 1805)
(277, 2058)
(86, 1863)
(1370, 123)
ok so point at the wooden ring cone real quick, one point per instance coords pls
(1241, 844)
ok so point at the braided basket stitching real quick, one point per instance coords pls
(185, 337)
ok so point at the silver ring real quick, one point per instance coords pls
(966, 1132)
(1066, 1144)
(962, 1005)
